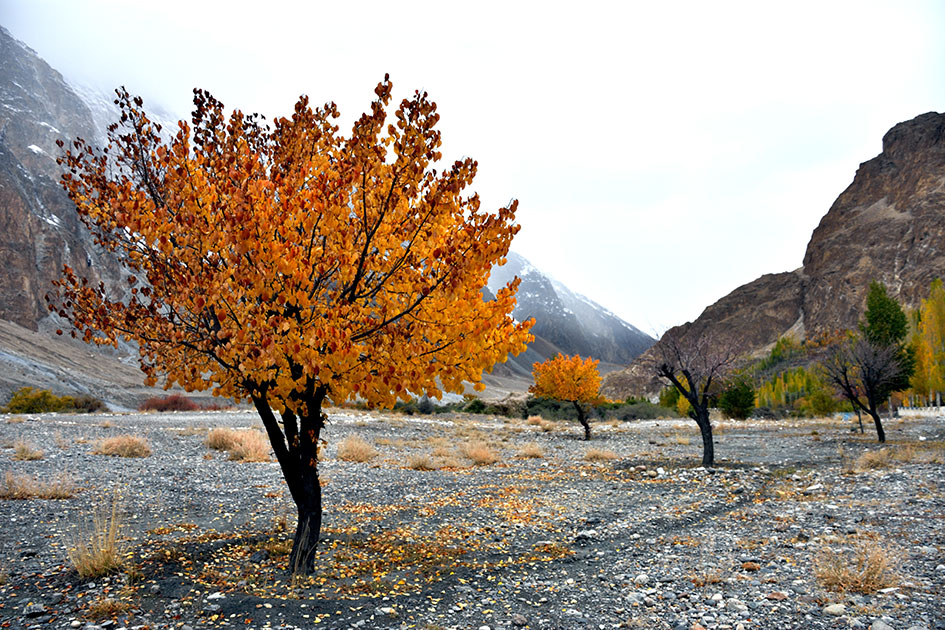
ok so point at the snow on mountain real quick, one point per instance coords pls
(568, 321)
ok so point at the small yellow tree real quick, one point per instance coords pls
(571, 379)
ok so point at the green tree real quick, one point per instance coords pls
(884, 322)
(738, 399)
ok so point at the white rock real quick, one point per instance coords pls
(641, 579)
(879, 624)
(835, 609)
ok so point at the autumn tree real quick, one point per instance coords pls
(694, 365)
(291, 266)
(929, 343)
(870, 366)
(570, 379)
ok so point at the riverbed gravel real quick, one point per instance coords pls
(624, 531)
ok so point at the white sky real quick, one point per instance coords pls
(663, 153)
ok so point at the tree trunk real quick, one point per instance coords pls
(705, 427)
(308, 529)
(582, 418)
(879, 424)
(295, 444)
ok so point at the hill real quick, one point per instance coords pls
(888, 225)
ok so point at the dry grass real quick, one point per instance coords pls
(929, 452)
(480, 453)
(872, 460)
(599, 455)
(96, 549)
(191, 430)
(534, 420)
(104, 608)
(865, 569)
(443, 451)
(15, 419)
(24, 452)
(221, 439)
(242, 446)
(531, 450)
(355, 448)
(123, 446)
(27, 487)
(420, 461)
(252, 446)
(4, 575)
(684, 440)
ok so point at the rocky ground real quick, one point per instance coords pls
(634, 535)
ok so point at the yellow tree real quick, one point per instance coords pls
(929, 343)
(293, 267)
(571, 379)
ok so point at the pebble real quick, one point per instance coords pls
(879, 624)
(835, 609)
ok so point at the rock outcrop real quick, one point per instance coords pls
(39, 228)
(888, 225)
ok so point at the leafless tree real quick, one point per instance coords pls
(865, 373)
(692, 364)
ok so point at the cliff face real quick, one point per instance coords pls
(39, 228)
(888, 225)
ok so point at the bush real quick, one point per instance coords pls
(420, 461)
(22, 451)
(30, 400)
(866, 569)
(599, 455)
(425, 406)
(83, 403)
(479, 452)
(123, 446)
(174, 402)
(251, 446)
(222, 439)
(475, 406)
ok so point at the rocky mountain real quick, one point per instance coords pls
(888, 225)
(566, 321)
(39, 228)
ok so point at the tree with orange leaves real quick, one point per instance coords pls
(293, 267)
(571, 379)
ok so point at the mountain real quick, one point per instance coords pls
(565, 321)
(39, 228)
(888, 225)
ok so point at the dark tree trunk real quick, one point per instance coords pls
(308, 529)
(879, 424)
(582, 418)
(296, 446)
(705, 427)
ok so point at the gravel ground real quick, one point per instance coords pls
(641, 538)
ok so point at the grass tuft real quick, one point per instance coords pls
(96, 549)
(27, 487)
(242, 446)
(479, 453)
(355, 448)
(865, 569)
(531, 450)
(22, 451)
(599, 455)
(420, 461)
(123, 446)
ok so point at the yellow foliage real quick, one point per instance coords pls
(290, 263)
(567, 378)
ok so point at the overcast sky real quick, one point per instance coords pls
(663, 153)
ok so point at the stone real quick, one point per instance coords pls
(835, 609)
(519, 620)
(641, 579)
(34, 610)
(750, 566)
(879, 624)
(776, 596)
(386, 611)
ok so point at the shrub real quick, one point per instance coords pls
(599, 455)
(871, 460)
(23, 452)
(30, 400)
(27, 487)
(84, 403)
(475, 406)
(123, 446)
(425, 406)
(96, 550)
(479, 452)
(531, 451)
(174, 402)
(354, 448)
(104, 608)
(866, 569)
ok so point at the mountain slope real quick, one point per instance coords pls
(567, 320)
(888, 225)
